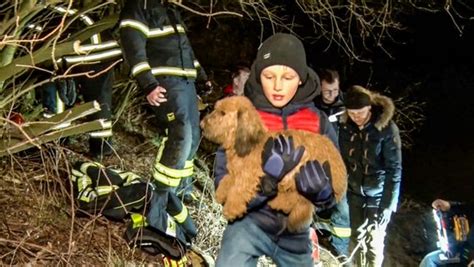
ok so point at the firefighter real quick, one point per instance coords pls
(162, 62)
(95, 57)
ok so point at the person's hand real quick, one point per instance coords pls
(279, 157)
(313, 183)
(157, 96)
(440, 204)
(384, 216)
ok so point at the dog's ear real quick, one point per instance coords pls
(249, 132)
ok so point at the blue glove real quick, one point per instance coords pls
(314, 184)
(279, 157)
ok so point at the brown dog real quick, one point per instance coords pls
(236, 125)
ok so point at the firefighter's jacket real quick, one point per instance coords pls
(373, 155)
(117, 194)
(155, 44)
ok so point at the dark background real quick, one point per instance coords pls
(430, 57)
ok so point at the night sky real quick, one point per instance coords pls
(441, 64)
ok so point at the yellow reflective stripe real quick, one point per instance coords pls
(173, 182)
(63, 10)
(169, 262)
(83, 182)
(77, 173)
(87, 195)
(173, 173)
(192, 73)
(181, 217)
(93, 57)
(86, 165)
(167, 30)
(342, 231)
(139, 68)
(86, 19)
(105, 133)
(160, 149)
(105, 189)
(35, 27)
(94, 47)
(59, 104)
(337, 231)
(189, 164)
(189, 167)
(129, 177)
(196, 64)
(107, 124)
(134, 24)
(151, 33)
(138, 220)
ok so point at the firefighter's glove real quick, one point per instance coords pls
(314, 184)
(383, 217)
(279, 157)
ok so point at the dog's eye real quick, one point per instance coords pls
(221, 112)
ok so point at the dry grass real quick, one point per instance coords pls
(39, 224)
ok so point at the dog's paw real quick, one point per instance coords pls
(220, 197)
(234, 211)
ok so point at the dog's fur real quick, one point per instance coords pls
(236, 125)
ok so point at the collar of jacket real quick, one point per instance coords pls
(383, 110)
(337, 103)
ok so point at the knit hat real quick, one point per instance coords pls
(282, 49)
(356, 99)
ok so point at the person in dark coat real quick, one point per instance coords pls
(334, 232)
(331, 98)
(371, 148)
(282, 88)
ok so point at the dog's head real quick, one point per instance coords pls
(234, 124)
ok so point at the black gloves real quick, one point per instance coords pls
(313, 182)
(279, 157)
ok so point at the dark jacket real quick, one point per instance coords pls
(155, 44)
(373, 154)
(334, 111)
(273, 222)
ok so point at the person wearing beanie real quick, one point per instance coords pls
(282, 88)
(371, 148)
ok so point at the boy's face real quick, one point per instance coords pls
(279, 84)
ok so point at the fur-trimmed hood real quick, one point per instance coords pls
(383, 108)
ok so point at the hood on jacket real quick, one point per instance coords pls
(305, 94)
(383, 108)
